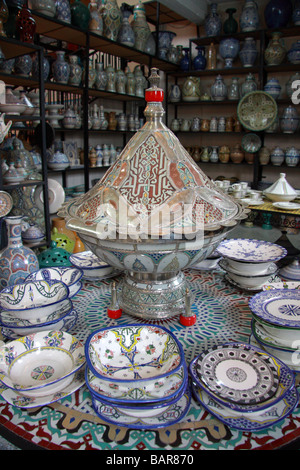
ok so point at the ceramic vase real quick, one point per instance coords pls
(25, 25)
(293, 54)
(16, 260)
(23, 65)
(61, 68)
(296, 13)
(289, 120)
(174, 93)
(277, 156)
(211, 57)
(184, 63)
(164, 43)
(111, 78)
(35, 68)
(63, 11)
(273, 87)
(120, 81)
(289, 84)
(199, 62)
(264, 156)
(234, 89)
(249, 19)
(140, 82)
(75, 71)
(96, 21)
(275, 51)
(292, 156)
(80, 15)
(191, 89)
(229, 49)
(230, 25)
(248, 52)
(126, 33)
(92, 74)
(236, 154)
(140, 27)
(219, 90)
(130, 83)
(278, 13)
(45, 7)
(213, 22)
(112, 19)
(249, 85)
(101, 76)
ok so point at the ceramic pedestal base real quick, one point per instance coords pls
(153, 296)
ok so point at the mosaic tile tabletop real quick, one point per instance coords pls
(72, 424)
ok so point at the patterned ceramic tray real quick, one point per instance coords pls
(257, 111)
(6, 203)
(278, 307)
(251, 251)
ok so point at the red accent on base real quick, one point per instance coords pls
(114, 314)
(188, 321)
(154, 95)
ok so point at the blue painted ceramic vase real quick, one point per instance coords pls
(199, 62)
(63, 11)
(213, 22)
(293, 54)
(126, 34)
(248, 52)
(229, 49)
(61, 68)
(249, 19)
(273, 87)
(278, 13)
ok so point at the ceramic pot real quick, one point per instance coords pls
(229, 49)
(230, 25)
(275, 51)
(96, 21)
(218, 90)
(174, 93)
(278, 13)
(45, 7)
(184, 63)
(150, 46)
(205, 125)
(175, 125)
(35, 68)
(57, 161)
(16, 260)
(140, 82)
(224, 154)
(205, 154)
(249, 85)
(112, 121)
(62, 236)
(289, 120)
(165, 39)
(92, 74)
(214, 156)
(120, 81)
(130, 83)
(213, 22)
(111, 78)
(273, 87)
(69, 119)
(172, 54)
(292, 156)
(191, 89)
(140, 27)
(296, 13)
(63, 11)
(264, 156)
(277, 156)
(249, 19)
(61, 68)
(199, 62)
(80, 15)
(248, 53)
(196, 124)
(23, 65)
(75, 71)
(236, 154)
(126, 33)
(101, 77)
(211, 57)
(293, 54)
(234, 89)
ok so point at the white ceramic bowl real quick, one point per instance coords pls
(41, 363)
(33, 300)
(68, 275)
(91, 265)
(14, 108)
(290, 358)
(133, 352)
(239, 267)
(289, 339)
(248, 280)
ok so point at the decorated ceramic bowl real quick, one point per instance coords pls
(133, 352)
(135, 393)
(91, 265)
(41, 363)
(33, 300)
(251, 143)
(250, 251)
(257, 111)
(286, 338)
(68, 275)
(248, 280)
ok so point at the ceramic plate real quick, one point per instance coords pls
(281, 307)
(6, 203)
(250, 422)
(251, 143)
(172, 415)
(20, 400)
(282, 285)
(237, 372)
(287, 205)
(257, 111)
(56, 196)
(250, 250)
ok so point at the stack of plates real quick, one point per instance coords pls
(276, 324)
(93, 267)
(248, 263)
(243, 386)
(137, 376)
(41, 368)
(36, 305)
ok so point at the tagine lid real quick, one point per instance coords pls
(154, 185)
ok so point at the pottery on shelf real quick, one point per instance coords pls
(23, 65)
(292, 156)
(296, 13)
(289, 121)
(248, 53)
(112, 19)
(191, 89)
(273, 87)
(140, 26)
(275, 52)
(264, 156)
(80, 15)
(184, 63)
(293, 54)
(45, 7)
(165, 39)
(96, 21)
(277, 156)
(213, 22)
(229, 50)
(35, 67)
(101, 76)
(211, 57)
(219, 90)
(237, 155)
(126, 34)
(249, 19)
(230, 25)
(75, 75)
(249, 85)
(278, 13)
(61, 68)
(199, 62)
(63, 11)
(111, 78)
(25, 24)
(174, 93)
(234, 89)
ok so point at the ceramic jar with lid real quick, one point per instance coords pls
(126, 34)
(174, 93)
(249, 19)
(101, 76)
(277, 156)
(236, 154)
(219, 90)
(69, 119)
(292, 156)
(191, 89)
(273, 87)
(289, 120)
(249, 85)
(140, 26)
(111, 78)
(234, 89)
(293, 54)
(275, 51)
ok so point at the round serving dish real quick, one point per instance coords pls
(251, 143)
(68, 275)
(248, 280)
(250, 251)
(91, 265)
(257, 111)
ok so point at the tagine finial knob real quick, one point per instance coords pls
(154, 93)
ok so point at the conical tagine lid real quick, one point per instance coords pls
(154, 187)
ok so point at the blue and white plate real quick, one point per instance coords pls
(250, 422)
(250, 250)
(279, 307)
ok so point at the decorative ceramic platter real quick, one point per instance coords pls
(87, 260)
(20, 400)
(257, 111)
(280, 307)
(287, 205)
(251, 143)
(249, 422)
(68, 275)
(6, 203)
(251, 251)
(115, 415)
(238, 373)
(56, 196)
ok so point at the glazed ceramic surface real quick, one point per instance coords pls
(69, 276)
(91, 265)
(6, 203)
(257, 111)
(281, 190)
(290, 357)
(238, 373)
(251, 143)
(133, 352)
(291, 271)
(264, 335)
(247, 279)
(40, 361)
(250, 250)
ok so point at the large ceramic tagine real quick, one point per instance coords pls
(153, 214)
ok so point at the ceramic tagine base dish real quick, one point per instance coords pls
(153, 214)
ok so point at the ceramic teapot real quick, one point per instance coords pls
(4, 128)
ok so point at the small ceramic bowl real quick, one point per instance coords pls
(91, 265)
(133, 352)
(254, 281)
(41, 363)
(68, 275)
(282, 337)
(33, 300)
(239, 267)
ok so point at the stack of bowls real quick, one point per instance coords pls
(243, 386)
(93, 267)
(41, 368)
(137, 376)
(249, 263)
(276, 324)
(68, 275)
(35, 306)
